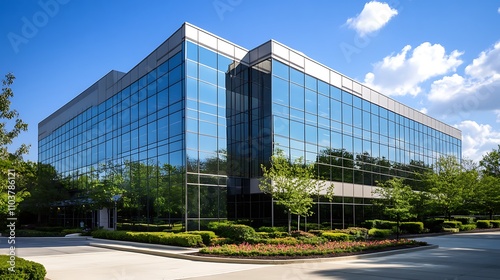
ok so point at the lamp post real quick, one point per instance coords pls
(115, 198)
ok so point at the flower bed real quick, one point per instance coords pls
(325, 249)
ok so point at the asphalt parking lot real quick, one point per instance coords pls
(459, 256)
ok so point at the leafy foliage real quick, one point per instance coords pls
(379, 233)
(235, 232)
(450, 184)
(292, 185)
(24, 269)
(328, 248)
(10, 127)
(335, 236)
(468, 227)
(491, 163)
(165, 238)
(483, 224)
(395, 199)
(412, 227)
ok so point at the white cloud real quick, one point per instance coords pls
(477, 90)
(497, 112)
(402, 73)
(372, 18)
(423, 110)
(477, 139)
(498, 10)
(446, 88)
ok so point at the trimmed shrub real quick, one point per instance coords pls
(495, 223)
(313, 226)
(279, 234)
(221, 241)
(335, 236)
(468, 227)
(213, 226)
(263, 235)
(140, 227)
(483, 224)
(381, 224)
(271, 229)
(369, 224)
(237, 233)
(412, 227)
(452, 224)
(164, 238)
(434, 225)
(314, 240)
(450, 230)
(282, 241)
(300, 233)
(24, 269)
(316, 232)
(379, 233)
(465, 220)
(206, 235)
(357, 233)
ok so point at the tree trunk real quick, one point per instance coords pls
(289, 221)
(491, 214)
(397, 227)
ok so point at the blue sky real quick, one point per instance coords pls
(440, 57)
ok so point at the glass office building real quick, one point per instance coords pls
(180, 137)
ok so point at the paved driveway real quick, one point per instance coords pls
(460, 256)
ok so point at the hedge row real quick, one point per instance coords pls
(235, 232)
(465, 220)
(379, 224)
(208, 236)
(412, 227)
(468, 227)
(23, 269)
(380, 233)
(451, 224)
(336, 236)
(488, 224)
(164, 238)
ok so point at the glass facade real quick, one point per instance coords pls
(183, 143)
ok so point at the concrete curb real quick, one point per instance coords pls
(255, 261)
(146, 246)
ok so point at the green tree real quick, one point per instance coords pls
(396, 200)
(10, 127)
(447, 185)
(292, 185)
(491, 163)
(487, 196)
